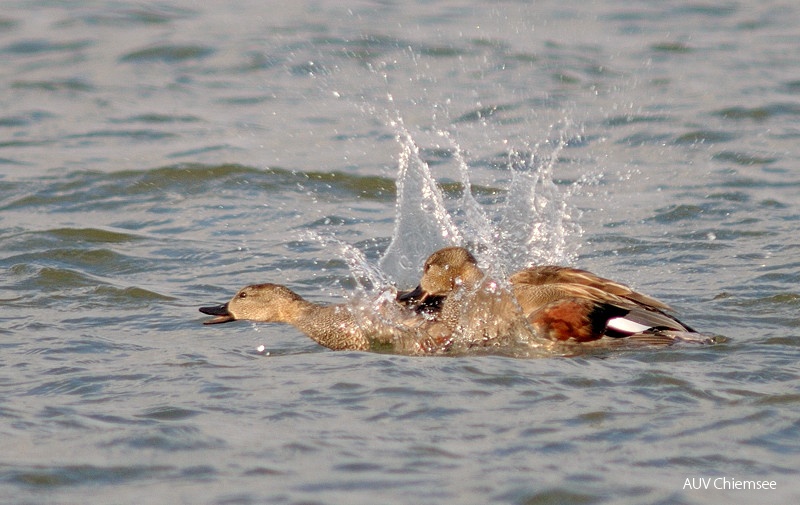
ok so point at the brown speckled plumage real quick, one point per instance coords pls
(476, 310)
(333, 326)
(559, 303)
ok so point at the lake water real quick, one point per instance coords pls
(157, 156)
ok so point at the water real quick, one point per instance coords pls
(155, 157)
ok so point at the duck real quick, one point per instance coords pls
(559, 303)
(338, 327)
(476, 310)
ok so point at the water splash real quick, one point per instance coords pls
(532, 225)
(528, 221)
(422, 222)
(368, 277)
(476, 222)
(536, 225)
(525, 220)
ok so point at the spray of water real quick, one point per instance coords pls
(528, 220)
(422, 221)
(533, 225)
(368, 276)
(536, 225)
(533, 222)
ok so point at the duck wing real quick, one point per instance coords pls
(577, 319)
(530, 278)
(642, 319)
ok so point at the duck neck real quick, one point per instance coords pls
(472, 278)
(331, 326)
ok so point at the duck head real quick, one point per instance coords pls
(444, 272)
(269, 303)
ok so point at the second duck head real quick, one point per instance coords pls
(443, 273)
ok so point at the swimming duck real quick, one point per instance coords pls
(476, 310)
(559, 303)
(337, 327)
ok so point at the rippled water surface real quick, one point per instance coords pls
(157, 156)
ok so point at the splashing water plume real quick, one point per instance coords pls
(369, 277)
(422, 222)
(533, 225)
(526, 221)
(536, 222)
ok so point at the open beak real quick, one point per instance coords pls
(415, 296)
(221, 311)
(420, 301)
